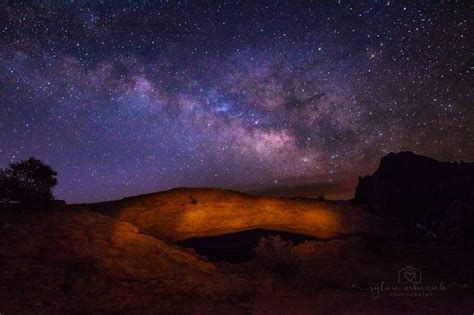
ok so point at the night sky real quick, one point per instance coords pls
(134, 97)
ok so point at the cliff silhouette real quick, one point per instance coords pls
(414, 188)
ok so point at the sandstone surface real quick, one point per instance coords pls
(183, 213)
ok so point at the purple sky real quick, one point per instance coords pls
(127, 99)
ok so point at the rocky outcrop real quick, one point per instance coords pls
(180, 214)
(63, 261)
(412, 187)
(83, 262)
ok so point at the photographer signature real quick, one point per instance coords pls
(409, 285)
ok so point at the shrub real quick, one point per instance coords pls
(274, 254)
(28, 181)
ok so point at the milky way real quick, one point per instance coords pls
(134, 97)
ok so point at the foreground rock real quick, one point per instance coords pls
(60, 262)
(183, 213)
(64, 261)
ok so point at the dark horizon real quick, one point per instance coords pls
(336, 191)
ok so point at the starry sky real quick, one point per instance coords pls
(129, 97)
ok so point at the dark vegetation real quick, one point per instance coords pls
(275, 254)
(28, 182)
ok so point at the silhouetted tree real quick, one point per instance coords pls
(27, 181)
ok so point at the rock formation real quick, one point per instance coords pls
(73, 260)
(415, 188)
(82, 262)
(183, 213)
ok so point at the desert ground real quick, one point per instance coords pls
(111, 258)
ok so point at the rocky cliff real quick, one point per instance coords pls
(413, 187)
